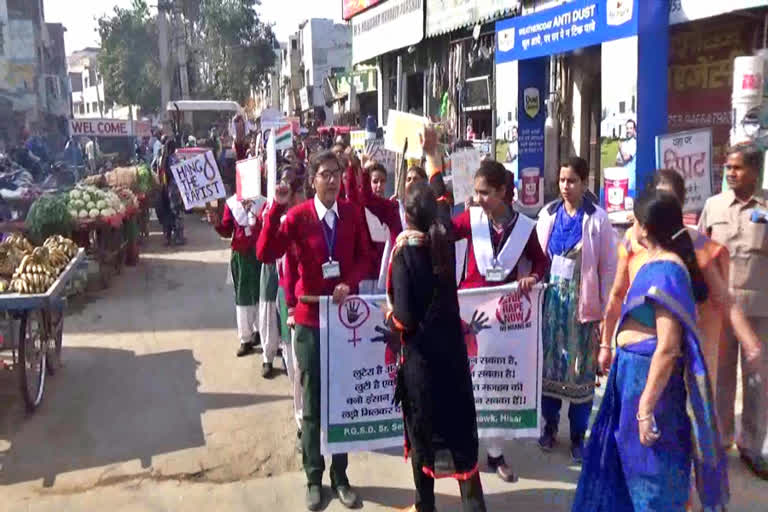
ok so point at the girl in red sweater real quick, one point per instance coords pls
(328, 237)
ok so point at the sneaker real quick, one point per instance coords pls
(547, 441)
(577, 452)
(244, 350)
(314, 497)
(266, 370)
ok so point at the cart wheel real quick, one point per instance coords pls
(32, 358)
(53, 357)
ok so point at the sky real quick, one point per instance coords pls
(79, 16)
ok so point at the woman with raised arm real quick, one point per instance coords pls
(657, 417)
(434, 386)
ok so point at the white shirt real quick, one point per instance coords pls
(156, 149)
(323, 212)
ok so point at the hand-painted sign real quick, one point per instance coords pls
(101, 127)
(351, 7)
(573, 25)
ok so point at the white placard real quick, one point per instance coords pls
(248, 178)
(690, 154)
(271, 168)
(502, 331)
(199, 180)
(464, 165)
(402, 126)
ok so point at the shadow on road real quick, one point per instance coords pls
(108, 406)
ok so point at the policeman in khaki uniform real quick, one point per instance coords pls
(736, 218)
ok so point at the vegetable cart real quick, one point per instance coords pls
(104, 242)
(34, 327)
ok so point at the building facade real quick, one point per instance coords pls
(87, 86)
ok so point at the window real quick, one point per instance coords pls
(52, 86)
(82, 108)
(101, 106)
(622, 106)
(294, 44)
(94, 107)
(87, 108)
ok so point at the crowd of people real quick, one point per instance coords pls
(664, 312)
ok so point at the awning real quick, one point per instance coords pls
(448, 15)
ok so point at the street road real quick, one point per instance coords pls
(153, 412)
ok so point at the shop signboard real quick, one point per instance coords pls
(101, 127)
(681, 11)
(690, 154)
(392, 25)
(447, 15)
(565, 28)
(350, 8)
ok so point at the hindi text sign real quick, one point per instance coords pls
(199, 180)
(464, 165)
(502, 332)
(690, 154)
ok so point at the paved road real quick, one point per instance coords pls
(153, 412)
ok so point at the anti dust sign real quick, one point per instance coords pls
(199, 180)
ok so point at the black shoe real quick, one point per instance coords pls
(244, 350)
(266, 370)
(759, 467)
(577, 451)
(547, 440)
(256, 339)
(499, 466)
(346, 495)
(314, 496)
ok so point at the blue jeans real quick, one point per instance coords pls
(578, 414)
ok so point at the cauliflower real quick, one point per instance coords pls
(101, 204)
(83, 214)
(107, 212)
(94, 213)
(75, 194)
(74, 213)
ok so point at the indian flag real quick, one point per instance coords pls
(283, 137)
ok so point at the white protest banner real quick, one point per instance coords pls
(502, 331)
(248, 178)
(401, 127)
(198, 180)
(272, 166)
(464, 165)
(690, 154)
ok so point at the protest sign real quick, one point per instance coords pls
(248, 178)
(357, 139)
(502, 331)
(198, 180)
(376, 150)
(401, 127)
(272, 167)
(464, 165)
(690, 154)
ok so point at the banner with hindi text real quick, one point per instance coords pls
(358, 363)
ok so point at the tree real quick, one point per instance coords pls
(129, 59)
(234, 49)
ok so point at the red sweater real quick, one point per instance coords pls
(241, 242)
(386, 210)
(462, 228)
(301, 232)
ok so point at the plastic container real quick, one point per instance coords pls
(748, 77)
(530, 189)
(616, 183)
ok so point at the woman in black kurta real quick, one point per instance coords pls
(434, 386)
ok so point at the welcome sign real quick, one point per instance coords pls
(359, 354)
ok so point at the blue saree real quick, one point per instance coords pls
(620, 474)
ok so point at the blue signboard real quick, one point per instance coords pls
(565, 28)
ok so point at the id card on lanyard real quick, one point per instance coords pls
(331, 268)
(497, 274)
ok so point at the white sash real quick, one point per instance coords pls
(401, 209)
(244, 218)
(378, 230)
(513, 248)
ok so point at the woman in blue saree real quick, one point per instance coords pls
(657, 417)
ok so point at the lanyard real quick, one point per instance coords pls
(330, 241)
(507, 229)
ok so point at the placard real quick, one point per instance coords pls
(248, 178)
(402, 126)
(357, 139)
(283, 137)
(502, 331)
(464, 165)
(690, 154)
(199, 180)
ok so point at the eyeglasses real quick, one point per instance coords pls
(328, 175)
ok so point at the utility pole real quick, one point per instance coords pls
(163, 7)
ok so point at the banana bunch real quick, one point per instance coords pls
(5, 286)
(18, 241)
(35, 273)
(61, 251)
(10, 257)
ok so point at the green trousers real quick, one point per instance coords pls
(308, 356)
